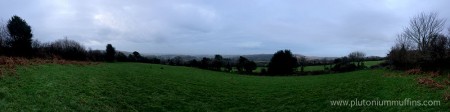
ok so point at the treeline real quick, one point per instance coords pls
(353, 61)
(283, 62)
(218, 63)
(16, 41)
(422, 45)
(328, 61)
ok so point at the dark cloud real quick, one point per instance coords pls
(315, 28)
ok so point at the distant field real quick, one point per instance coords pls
(321, 67)
(371, 63)
(149, 87)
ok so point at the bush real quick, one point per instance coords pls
(66, 49)
(249, 66)
(282, 63)
(96, 55)
(263, 71)
(344, 67)
(121, 57)
(415, 71)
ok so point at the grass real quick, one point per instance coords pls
(314, 68)
(371, 63)
(321, 67)
(149, 87)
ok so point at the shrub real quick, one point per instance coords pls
(96, 55)
(415, 71)
(66, 49)
(344, 67)
(433, 74)
(429, 82)
(282, 63)
(263, 71)
(121, 57)
(249, 66)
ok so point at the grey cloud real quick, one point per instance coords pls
(316, 28)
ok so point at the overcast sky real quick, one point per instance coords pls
(312, 28)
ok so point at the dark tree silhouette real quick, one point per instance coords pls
(217, 62)
(193, 63)
(205, 63)
(177, 60)
(438, 50)
(110, 53)
(228, 67)
(135, 56)
(249, 66)
(21, 35)
(245, 65)
(121, 57)
(282, 63)
(96, 55)
(240, 64)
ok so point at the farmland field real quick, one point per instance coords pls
(321, 67)
(151, 87)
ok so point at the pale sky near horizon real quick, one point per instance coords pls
(311, 28)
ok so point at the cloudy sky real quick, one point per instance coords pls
(312, 28)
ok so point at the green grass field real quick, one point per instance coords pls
(149, 87)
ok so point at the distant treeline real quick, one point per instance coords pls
(16, 40)
(282, 63)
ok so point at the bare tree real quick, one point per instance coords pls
(422, 28)
(352, 56)
(4, 36)
(357, 57)
(302, 63)
(405, 42)
(361, 57)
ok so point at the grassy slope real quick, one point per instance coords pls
(147, 87)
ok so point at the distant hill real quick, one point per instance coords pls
(253, 57)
